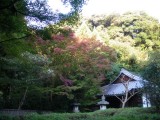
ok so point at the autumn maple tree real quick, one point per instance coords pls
(79, 63)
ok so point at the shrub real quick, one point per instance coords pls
(109, 114)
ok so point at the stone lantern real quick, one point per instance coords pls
(103, 103)
(76, 107)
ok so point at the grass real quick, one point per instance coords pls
(109, 114)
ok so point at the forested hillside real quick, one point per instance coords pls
(133, 35)
(49, 68)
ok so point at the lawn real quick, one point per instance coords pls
(109, 114)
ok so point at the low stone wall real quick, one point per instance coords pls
(15, 112)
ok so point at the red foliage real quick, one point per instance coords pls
(102, 77)
(72, 35)
(58, 38)
(67, 65)
(58, 50)
(87, 56)
(40, 41)
(67, 82)
(101, 66)
(71, 48)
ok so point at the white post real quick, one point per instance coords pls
(76, 109)
(145, 100)
(103, 107)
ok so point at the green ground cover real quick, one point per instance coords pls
(109, 114)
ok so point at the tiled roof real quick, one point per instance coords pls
(119, 88)
(130, 74)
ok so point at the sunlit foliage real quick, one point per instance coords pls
(78, 60)
(132, 35)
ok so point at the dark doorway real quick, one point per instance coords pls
(114, 102)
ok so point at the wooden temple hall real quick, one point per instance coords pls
(126, 84)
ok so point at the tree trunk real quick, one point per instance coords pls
(23, 99)
(123, 104)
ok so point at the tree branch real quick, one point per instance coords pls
(23, 99)
(118, 98)
(132, 94)
(15, 38)
(8, 6)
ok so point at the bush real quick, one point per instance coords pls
(109, 114)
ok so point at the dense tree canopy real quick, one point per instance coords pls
(151, 73)
(134, 36)
(23, 70)
(48, 68)
(131, 34)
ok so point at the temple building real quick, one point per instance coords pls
(129, 85)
